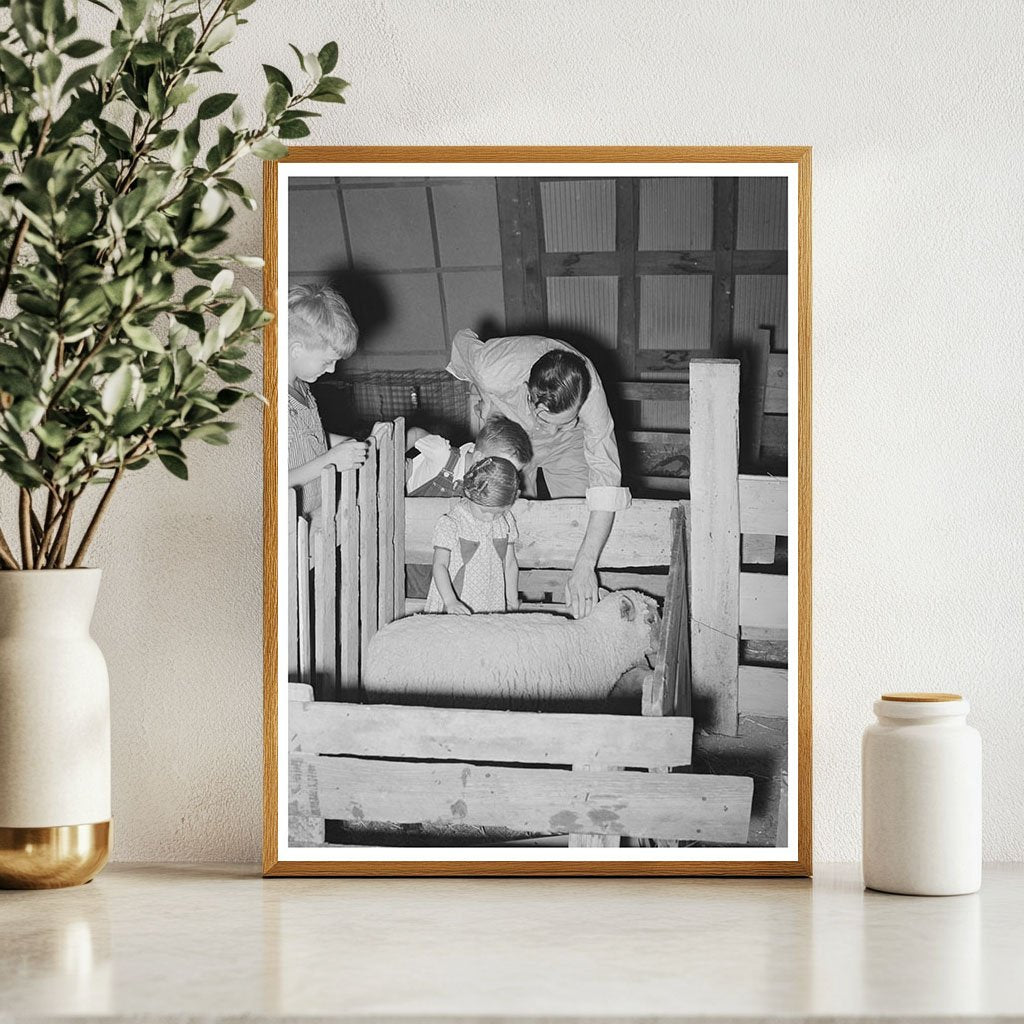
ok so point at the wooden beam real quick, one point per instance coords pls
(764, 692)
(627, 227)
(657, 391)
(708, 808)
(668, 360)
(510, 233)
(532, 227)
(723, 288)
(764, 504)
(550, 532)
(715, 544)
(461, 734)
(663, 262)
(773, 262)
(348, 556)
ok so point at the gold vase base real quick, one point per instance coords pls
(52, 857)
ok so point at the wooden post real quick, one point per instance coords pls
(398, 587)
(348, 554)
(715, 543)
(293, 579)
(586, 840)
(368, 547)
(327, 585)
(302, 602)
(385, 436)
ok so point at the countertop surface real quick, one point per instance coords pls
(179, 942)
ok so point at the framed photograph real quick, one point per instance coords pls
(537, 511)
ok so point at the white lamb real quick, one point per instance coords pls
(514, 660)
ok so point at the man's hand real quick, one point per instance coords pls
(457, 608)
(581, 590)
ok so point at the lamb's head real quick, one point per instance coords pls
(635, 615)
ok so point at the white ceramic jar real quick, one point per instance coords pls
(921, 777)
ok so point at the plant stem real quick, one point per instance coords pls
(96, 517)
(6, 554)
(60, 543)
(25, 521)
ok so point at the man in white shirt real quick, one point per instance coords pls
(555, 394)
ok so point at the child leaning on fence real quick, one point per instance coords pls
(321, 331)
(475, 567)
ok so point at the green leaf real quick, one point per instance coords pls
(149, 53)
(293, 130)
(156, 101)
(116, 390)
(14, 68)
(53, 435)
(211, 433)
(221, 35)
(26, 413)
(83, 48)
(143, 338)
(184, 44)
(214, 105)
(334, 84)
(328, 57)
(269, 149)
(78, 78)
(276, 100)
(233, 373)
(181, 94)
(275, 76)
(232, 319)
(49, 68)
(175, 465)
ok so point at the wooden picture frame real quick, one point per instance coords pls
(711, 665)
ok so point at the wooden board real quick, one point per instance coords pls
(657, 391)
(550, 532)
(764, 600)
(776, 388)
(348, 605)
(535, 584)
(708, 808)
(764, 691)
(758, 548)
(715, 543)
(368, 550)
(327, 588)
(753, 355)
(519, 737)
(764, 504)
(384, 435)
(302, 601)
(398, 537)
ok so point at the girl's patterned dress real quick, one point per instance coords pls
(306, 440)
(477, 565)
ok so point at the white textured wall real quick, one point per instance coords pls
(914, 113)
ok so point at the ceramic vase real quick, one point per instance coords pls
(54, 731)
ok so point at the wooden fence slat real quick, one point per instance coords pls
(523, 737)
(384, 433)
(764, 691)
(348, 552)
(327, 573)
(764, 600)
(550, 532)
(300, 692)
(292, 575)
(319, 611)
(661, 693)
(536, 583)
(758, 548)
(368, 549)
(764, 504)
(398, 539)
(710, 808)
(715, 545)
(753, 355)
(302, 602)
(776, 387)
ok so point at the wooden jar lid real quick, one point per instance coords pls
(921, 698)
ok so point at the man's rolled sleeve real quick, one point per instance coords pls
(608, 499)
(464, 364)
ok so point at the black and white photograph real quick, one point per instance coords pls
(537, 484)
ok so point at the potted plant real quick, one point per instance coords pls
(122, 340)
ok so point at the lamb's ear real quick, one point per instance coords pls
(626, 609)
